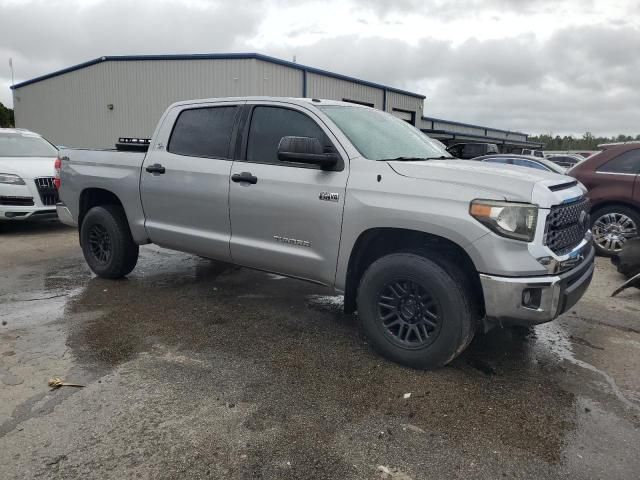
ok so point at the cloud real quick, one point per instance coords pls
(46, 35)
(452, 9)
(580, 79)
(578, 76)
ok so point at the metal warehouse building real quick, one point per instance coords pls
(94, 103)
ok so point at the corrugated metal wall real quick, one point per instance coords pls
(404, 102)
(72, 109)
(320, 86)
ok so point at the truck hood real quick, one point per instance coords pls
(28, 167)
(507, 181)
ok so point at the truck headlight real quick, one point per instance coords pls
(509, 219)
(11, 179)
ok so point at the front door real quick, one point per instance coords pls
(185, 180)
(289, 221)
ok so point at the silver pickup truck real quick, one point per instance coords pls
(425, 247)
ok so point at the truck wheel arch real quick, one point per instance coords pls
(375, 243)
(93, 197)
(614, 203)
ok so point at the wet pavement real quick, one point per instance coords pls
(197, 369)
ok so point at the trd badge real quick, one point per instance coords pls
(329, 197)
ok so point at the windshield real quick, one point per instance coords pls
(380, 136)
(25, 145)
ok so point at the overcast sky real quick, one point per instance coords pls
(561, 67)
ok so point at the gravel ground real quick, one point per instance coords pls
(197, 369)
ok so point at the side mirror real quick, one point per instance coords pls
(305, 150)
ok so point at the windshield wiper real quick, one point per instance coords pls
(413, 159)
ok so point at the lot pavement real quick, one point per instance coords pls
(196, 369)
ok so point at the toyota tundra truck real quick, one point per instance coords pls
(426, 248)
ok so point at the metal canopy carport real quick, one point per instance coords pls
(450, 138)
(450, 132)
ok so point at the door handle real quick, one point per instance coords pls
(244, 177)
(155, 168)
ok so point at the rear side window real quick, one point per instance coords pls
(203, 132)
(628, 162)
(270, 124)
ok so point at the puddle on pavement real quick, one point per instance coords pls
(315, 356)
(317, 370)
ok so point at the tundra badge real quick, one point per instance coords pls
(292, 241)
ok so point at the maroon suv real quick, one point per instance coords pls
(612, 178)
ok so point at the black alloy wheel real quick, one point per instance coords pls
(100, 244)
(409, 314)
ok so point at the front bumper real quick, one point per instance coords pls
(10, 212)
(31, 205)
(548, 296)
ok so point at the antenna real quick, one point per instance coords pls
(294, 59)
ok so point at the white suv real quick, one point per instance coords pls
(26, 175)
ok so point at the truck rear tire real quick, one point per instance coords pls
(106, 242)
(414, 312)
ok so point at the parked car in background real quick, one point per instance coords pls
(472, 150)
(527, 151)
(566, 160)
(27, 190)
(611, 178)
(533, 153)
(523, 161)
(425, 247)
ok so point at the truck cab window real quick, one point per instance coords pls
(270, 124)
(203, 132)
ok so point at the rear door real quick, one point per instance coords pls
(185, 179)
(289, 221)
(621, 175)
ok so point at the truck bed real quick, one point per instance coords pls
(87, 171)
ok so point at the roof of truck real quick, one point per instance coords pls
(214, 56)
(294, 100)
(18, 131)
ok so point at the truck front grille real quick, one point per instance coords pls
(566, 226)
(47, 190)
(17, 201)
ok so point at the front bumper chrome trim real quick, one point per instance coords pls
(558, 293)
(559, 264)
(65, 215)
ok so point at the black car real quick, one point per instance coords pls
(523, 161)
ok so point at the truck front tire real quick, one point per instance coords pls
(414, 312)
(106, 242)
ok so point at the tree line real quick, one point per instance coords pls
(587, 142)
(6, 117)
